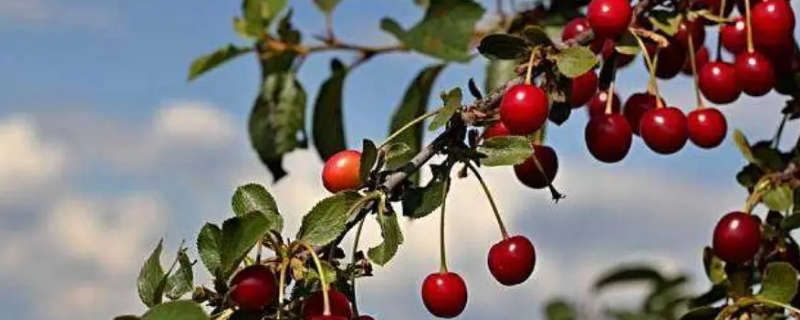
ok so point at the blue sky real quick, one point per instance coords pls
(104, 148)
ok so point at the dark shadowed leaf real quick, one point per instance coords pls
(327, 6)
(397, 155)
(369, 153)
(536, 35)
(176, 310)
(420, 202)
(182, 280)
(768, 158)
(791, 222)
(254, 197)
(208, 244)
(714, 294)
(328, 218)
(392, 239)
(239, 235)
(627, 44)
(779, 283)
(575, 61)
(152, 279)
(505, 151)
(714, 267)
(701, 313)
(666, 21)
(444, 32)
(414, 105)
(560, 310)
(504, 47)
(749, 175)
(328, 126)
(215, 59)
(452, 101)
(629, 274)
(559, 113)
(499, 72)
(245, 315)
(779, 198)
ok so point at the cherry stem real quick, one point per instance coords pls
(442, 253)
(758, 192)
(326, 311)
(748, 25)
(529, 72)
(486, 191)
(652, 85)
(353, 260)
(409, 125)
(693, 62)
(541, 170)
(719, 38)
(776, 141)
(281, 285)
(610, 98)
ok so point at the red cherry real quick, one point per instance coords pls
(524, 109)
(701, 58)
(314, 305)
(597, 105)
(576, 27)
(714, 6)
(342, 171)
(636, 106)
(737, 237)
(717, 82)
(740, 5)
(697, 30)
(512, 260)
(321, 317)
(773, 23)
(622, 59)
(734, 35)
(530, 175)
(253, 288)
(664, 130)
(495, 130)
(583, 89)
(444, 294)
(754, 73)
(782, 58)
(609, 18)
(608, 137)
(670, 61)
(707, 127)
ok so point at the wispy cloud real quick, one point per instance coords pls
(58, 12)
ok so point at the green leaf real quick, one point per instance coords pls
(791, 222)
(499, 72)
(259, 13)
(392, 239)
(180, 282)
(779, 283)
(414, 105)
(560, 310)
(444, 32)
(575, 61)
(536, 35)
(629, 274)
(420, 202)
(701, 313)
(504, 47)
(768, 158)
(714, 267)
(277, 119)
(254, 197)
(328, 270)
(208, 244)
(152, 279)
(452, 101)
(369, 153)
(749, 175)
(176, 310)
(327, 6)
(328, 126)
(239, 235)
(744, 147)
(397, 155)
(215, 59)
(328, 218)
(505, 151)
(628, 45)
(666, 21)
(779, 198)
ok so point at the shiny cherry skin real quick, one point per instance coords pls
(444, 294)
(314, 305)
(498, 129)
(597, 105)
(718, 82)
(511, 261)
(734, 35)
(342, 171)
(664, 130)
(707, 127)
(583, 89)
(576, 27)
(773, 23)
(253, 288)
(697, 31)
(737, 238)
(524, 109)
(670, 61)
(622, 61)
(608, 137)
(609, 18)
(530, 175)
(754, 73)
(740, 5)
(701, 58)
(636, 106)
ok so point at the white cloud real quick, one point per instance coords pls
(28, 160)
(58, 12)
(196, 123)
